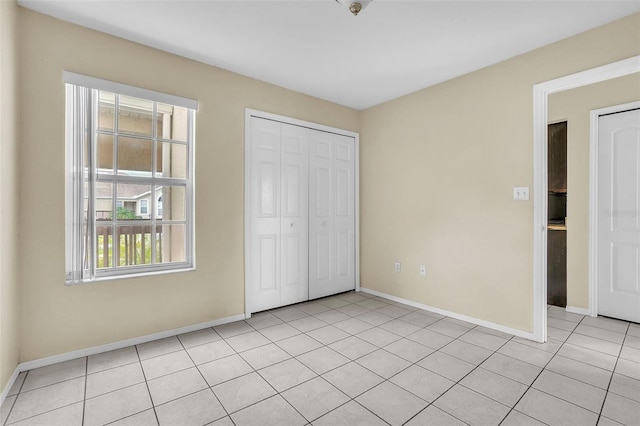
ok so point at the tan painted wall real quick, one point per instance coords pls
(574, 106)
(438, 169)
(9, 290)
(58, 318)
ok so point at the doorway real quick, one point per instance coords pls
(541, 92)
(301, 211)
(557, 215)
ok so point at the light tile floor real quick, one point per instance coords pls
(348, 359)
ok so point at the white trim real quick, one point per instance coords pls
(450, 314)
(247, 189)
(124, 89)
(575, 310)
(43, 362)
(593, 200)
(9, 385)
(541, 92)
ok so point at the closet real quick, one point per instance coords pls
(300, 212)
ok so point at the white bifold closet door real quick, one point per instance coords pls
(301, 214)
(279, 219)
(331, 214)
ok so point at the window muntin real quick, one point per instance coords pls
(134, 151)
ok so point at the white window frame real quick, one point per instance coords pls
(144, 203)
(81, 113)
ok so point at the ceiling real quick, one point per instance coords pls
(317, 47)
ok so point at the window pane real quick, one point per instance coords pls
(104, 243)
(134, 156)
(135, 116)
(173, 203)
(172, 160)
(104, 201)
(172, 122)
(134, 197)
(106, 110)
(104, 153)
(134, 246)
(170, 243)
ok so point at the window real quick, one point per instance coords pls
(126, 147)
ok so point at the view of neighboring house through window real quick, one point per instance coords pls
(130, 180)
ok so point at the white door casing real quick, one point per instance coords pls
(277, 221)
(618, 227)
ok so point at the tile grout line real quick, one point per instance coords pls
(146, 383)
(86, 379)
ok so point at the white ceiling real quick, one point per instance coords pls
(317, 47)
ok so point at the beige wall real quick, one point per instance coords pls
(574, 106)
(437, 172)
(58, 318)
(9, 290)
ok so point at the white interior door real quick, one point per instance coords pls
(294, 221)
(618, 258)
(331, 214)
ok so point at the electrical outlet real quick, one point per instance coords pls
(423, 271)
(397, 267)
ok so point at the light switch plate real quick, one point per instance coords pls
(521, 193)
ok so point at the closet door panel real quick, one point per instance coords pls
(295, 214)
(344, 212)
(265, 219)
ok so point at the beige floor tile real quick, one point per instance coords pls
(471, 407)
(352, 326)
(112, 359)
(333, 302)
(621, 409)
(375, 318)
(561, 324)
(350, 414)
(166, 364)
(6, 407)
(419, 319)
(287, 374)
(315, 398)
(372, 304)
(393, 311)
(176, 385)
(430, 338)
(383, 363)
(606, 324)
(274, 411)
(263, 320)
(297, 345)
(628, 368)
(55, 373)
(352, 310)
(353, 347)
(494, 386)
(199, 337)
(47, 398)
(253, 339)
(195, 409)
(327, 335)
(224, 369)
(114, 379)
(144, 418)
(558, 312)
(516, 418)
(306, 324)
(422, 383)
(378, 337)
(448, 328)
(631, 354)
(279, 332)
(632, 341)
(312, 308)
(288, 313)
(446, 366)
(466, 352)
(576, 392)
(484, 340)
(557, 334)
(588, 356)
(526, 353)
(210, 352)
(17, 385)
(159, 347)
(625, 386)
(331, 316)
(116, 405)
(550, 345)
(554, 411)
(512, 368)
(353, 379)
(264, 356)
(586, 373)
(408, 349)
(391, 403)
(594, 344)
(399, 327)
(233, 329)
(600, 333)
(70, 415)
(243, 391)
(432, 415)
(322, 360)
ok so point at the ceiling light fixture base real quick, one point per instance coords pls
(354, 6)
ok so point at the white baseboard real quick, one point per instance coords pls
(574, 310)
(487, 324)
(43, 362)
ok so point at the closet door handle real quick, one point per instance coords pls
(324, 223)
